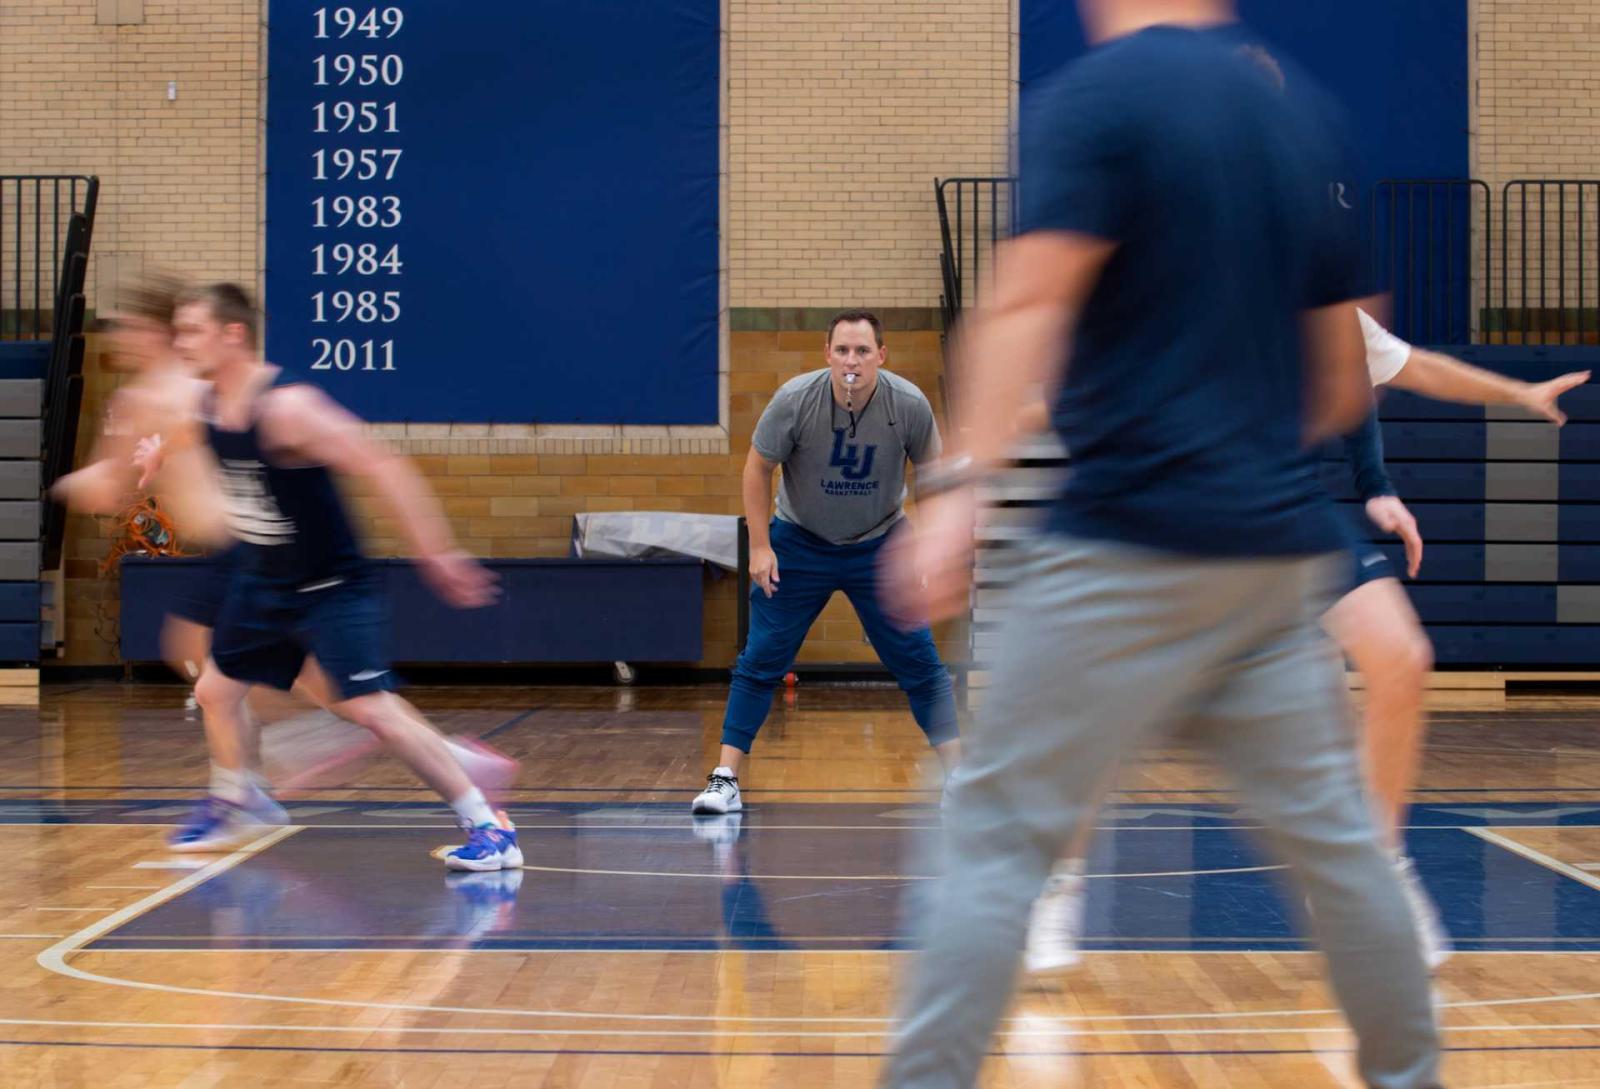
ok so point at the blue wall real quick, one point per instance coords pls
(1399, 66)
(557, 199)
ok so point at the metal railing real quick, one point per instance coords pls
(1462, 267)
(63, 390)
(1550, 262)
(1431, 246)
(35, 214)
(975, 214)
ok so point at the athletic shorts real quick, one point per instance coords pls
(202, 598)
(1369, 564)
(266, 632)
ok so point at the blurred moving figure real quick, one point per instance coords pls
(1179, 252)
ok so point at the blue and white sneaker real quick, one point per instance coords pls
(488, 847)
(216, 824)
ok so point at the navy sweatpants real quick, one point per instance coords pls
(810, 569)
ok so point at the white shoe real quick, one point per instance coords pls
(1056, 922)
(721, 794)
(1436, 946)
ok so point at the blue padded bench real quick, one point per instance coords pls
(550, 611)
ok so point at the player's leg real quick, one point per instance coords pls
(1378, 630)
(235, 807)
(186, 639)
(1278, 718)
(1108, 645)
(778, 626)
(185, 646)
(343, 626)
(492, 841)
(302, 749)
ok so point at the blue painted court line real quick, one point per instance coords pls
(508, 723)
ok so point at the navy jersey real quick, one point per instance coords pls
(290, 521)
(1182, 403)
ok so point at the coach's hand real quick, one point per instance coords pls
(764, 569)
(927, 568)
(459, 579)
(1391, 516)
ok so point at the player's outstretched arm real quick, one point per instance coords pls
(303, 423)
(1445, 378)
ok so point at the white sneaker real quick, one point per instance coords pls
(1056, 922)
(1436, 946)
(721, 794)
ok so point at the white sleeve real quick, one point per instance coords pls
(1386, 353)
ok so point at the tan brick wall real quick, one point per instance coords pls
(179, 178)
(841, 114)
(1538, 89)
(522, 505)
(1536, 114)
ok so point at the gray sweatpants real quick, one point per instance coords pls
(1104, 647)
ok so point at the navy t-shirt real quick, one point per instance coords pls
(1218, 178)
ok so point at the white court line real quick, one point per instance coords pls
(54, 960)
(103, 908)
(1539, 857)
(863, 876)
(1013, 1034)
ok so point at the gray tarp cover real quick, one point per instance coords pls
(643, 534)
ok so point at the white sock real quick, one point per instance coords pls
(473, 809)
(1065, 876)
(725, 771)
(229, 785)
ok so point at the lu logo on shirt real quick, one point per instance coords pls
(853, 460)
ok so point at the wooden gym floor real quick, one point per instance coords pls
(640, 948)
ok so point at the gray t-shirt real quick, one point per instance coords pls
(845, 488)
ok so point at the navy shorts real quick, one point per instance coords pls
(1369, 565)
(202, 598)
(266, 632)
